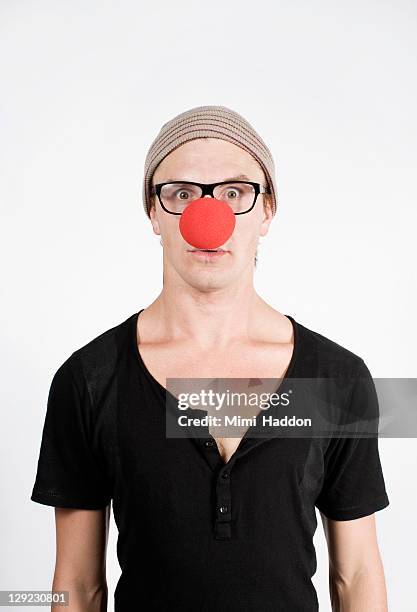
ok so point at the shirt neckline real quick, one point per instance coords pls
(288, 373)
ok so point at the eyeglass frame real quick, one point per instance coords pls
(207, 189)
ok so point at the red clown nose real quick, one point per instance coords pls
(207, 223)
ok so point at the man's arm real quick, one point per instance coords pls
(356, 574)
(80, 568)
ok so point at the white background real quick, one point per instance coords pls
(86, 86)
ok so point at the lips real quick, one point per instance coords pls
(206, 254)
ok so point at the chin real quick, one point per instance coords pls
(207, 281)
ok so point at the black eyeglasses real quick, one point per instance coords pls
(241, 196)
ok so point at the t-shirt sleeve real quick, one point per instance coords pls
(353, 483)
(70, 473)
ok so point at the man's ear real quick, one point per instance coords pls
(267, 216)
(154, 219)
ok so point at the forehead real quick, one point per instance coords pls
(207, 160)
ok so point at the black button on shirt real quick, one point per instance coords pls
(192, 535)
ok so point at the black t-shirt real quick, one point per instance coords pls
(196, 534)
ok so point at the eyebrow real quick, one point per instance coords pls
(239, 177)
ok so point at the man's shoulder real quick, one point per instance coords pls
(97, 359)
(328, 355)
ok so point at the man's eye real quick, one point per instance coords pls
(183, 195)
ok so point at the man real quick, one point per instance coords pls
(210, 523)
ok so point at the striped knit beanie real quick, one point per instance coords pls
(215, 122)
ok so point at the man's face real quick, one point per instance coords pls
(208, 161)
